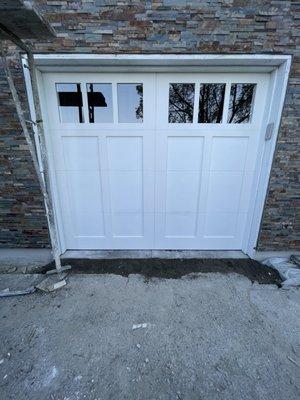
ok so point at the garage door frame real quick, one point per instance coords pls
(277, 65)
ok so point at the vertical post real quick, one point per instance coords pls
(46, 172)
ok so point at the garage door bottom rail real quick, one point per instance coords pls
(171, 268)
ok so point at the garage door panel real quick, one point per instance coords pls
(126, 191)
(184, 153)
(83, 219)
(125, 153)
(224, 191)
(127, 224)
(80, 153)
(228, 153)
(132, 230)
(221, 225)
(84, 190)
(180, 224)
(182, 191)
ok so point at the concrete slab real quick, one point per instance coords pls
(163, 254)
(212, 337)
(22, 258)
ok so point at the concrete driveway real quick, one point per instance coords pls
(205, 336)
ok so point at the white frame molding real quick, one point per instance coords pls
(277, 65)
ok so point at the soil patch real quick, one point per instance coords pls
(171, 268)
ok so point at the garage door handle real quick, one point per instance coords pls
(269, 131)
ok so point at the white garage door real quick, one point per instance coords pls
(154, 161)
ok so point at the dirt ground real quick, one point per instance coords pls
(205, 336)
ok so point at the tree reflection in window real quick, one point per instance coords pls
(211, 102)
(240, 104)
(181, 102)
(130, 102)
(139, 108)
(100, 102)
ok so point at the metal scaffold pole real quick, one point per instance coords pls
(43, 173)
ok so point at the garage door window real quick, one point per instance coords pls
(130, 102)
(100, 102)
(241, 102)
(211, 102)
(70, 102)
(181, 102)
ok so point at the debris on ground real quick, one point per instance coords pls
(59, 271)
(8, 293)
(10, 270)
(295, 259)
(288, 269)
(139, 326)
(52, 283)
(293, 361)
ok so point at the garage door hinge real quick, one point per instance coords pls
(269, 131)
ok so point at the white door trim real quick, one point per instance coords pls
(278, 65)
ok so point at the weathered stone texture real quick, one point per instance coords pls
(164, 26)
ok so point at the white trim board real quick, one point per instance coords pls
(158, 62)
(277, 65)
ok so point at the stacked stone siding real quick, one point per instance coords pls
(161, 26)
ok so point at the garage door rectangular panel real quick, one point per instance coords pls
(126, 191)
(131, 186)
(83, 185)
(125, 153)
(229, 153)
(220, 225)
(80, 153)
(180, 186)
(182, 191)
(127, 224)
(180, 224)
(184, 153)
(84, 190)
(224, 191)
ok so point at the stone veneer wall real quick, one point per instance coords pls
(159, 26)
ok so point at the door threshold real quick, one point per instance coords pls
(162, 254)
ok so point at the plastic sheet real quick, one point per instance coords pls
(288, 269)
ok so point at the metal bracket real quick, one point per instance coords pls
(269, 131)
(33, 122)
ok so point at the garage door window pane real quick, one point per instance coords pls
(130, 102)
(69, 102)
(241, 102)
(181, 102)
(100, 102)
(211, 102)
